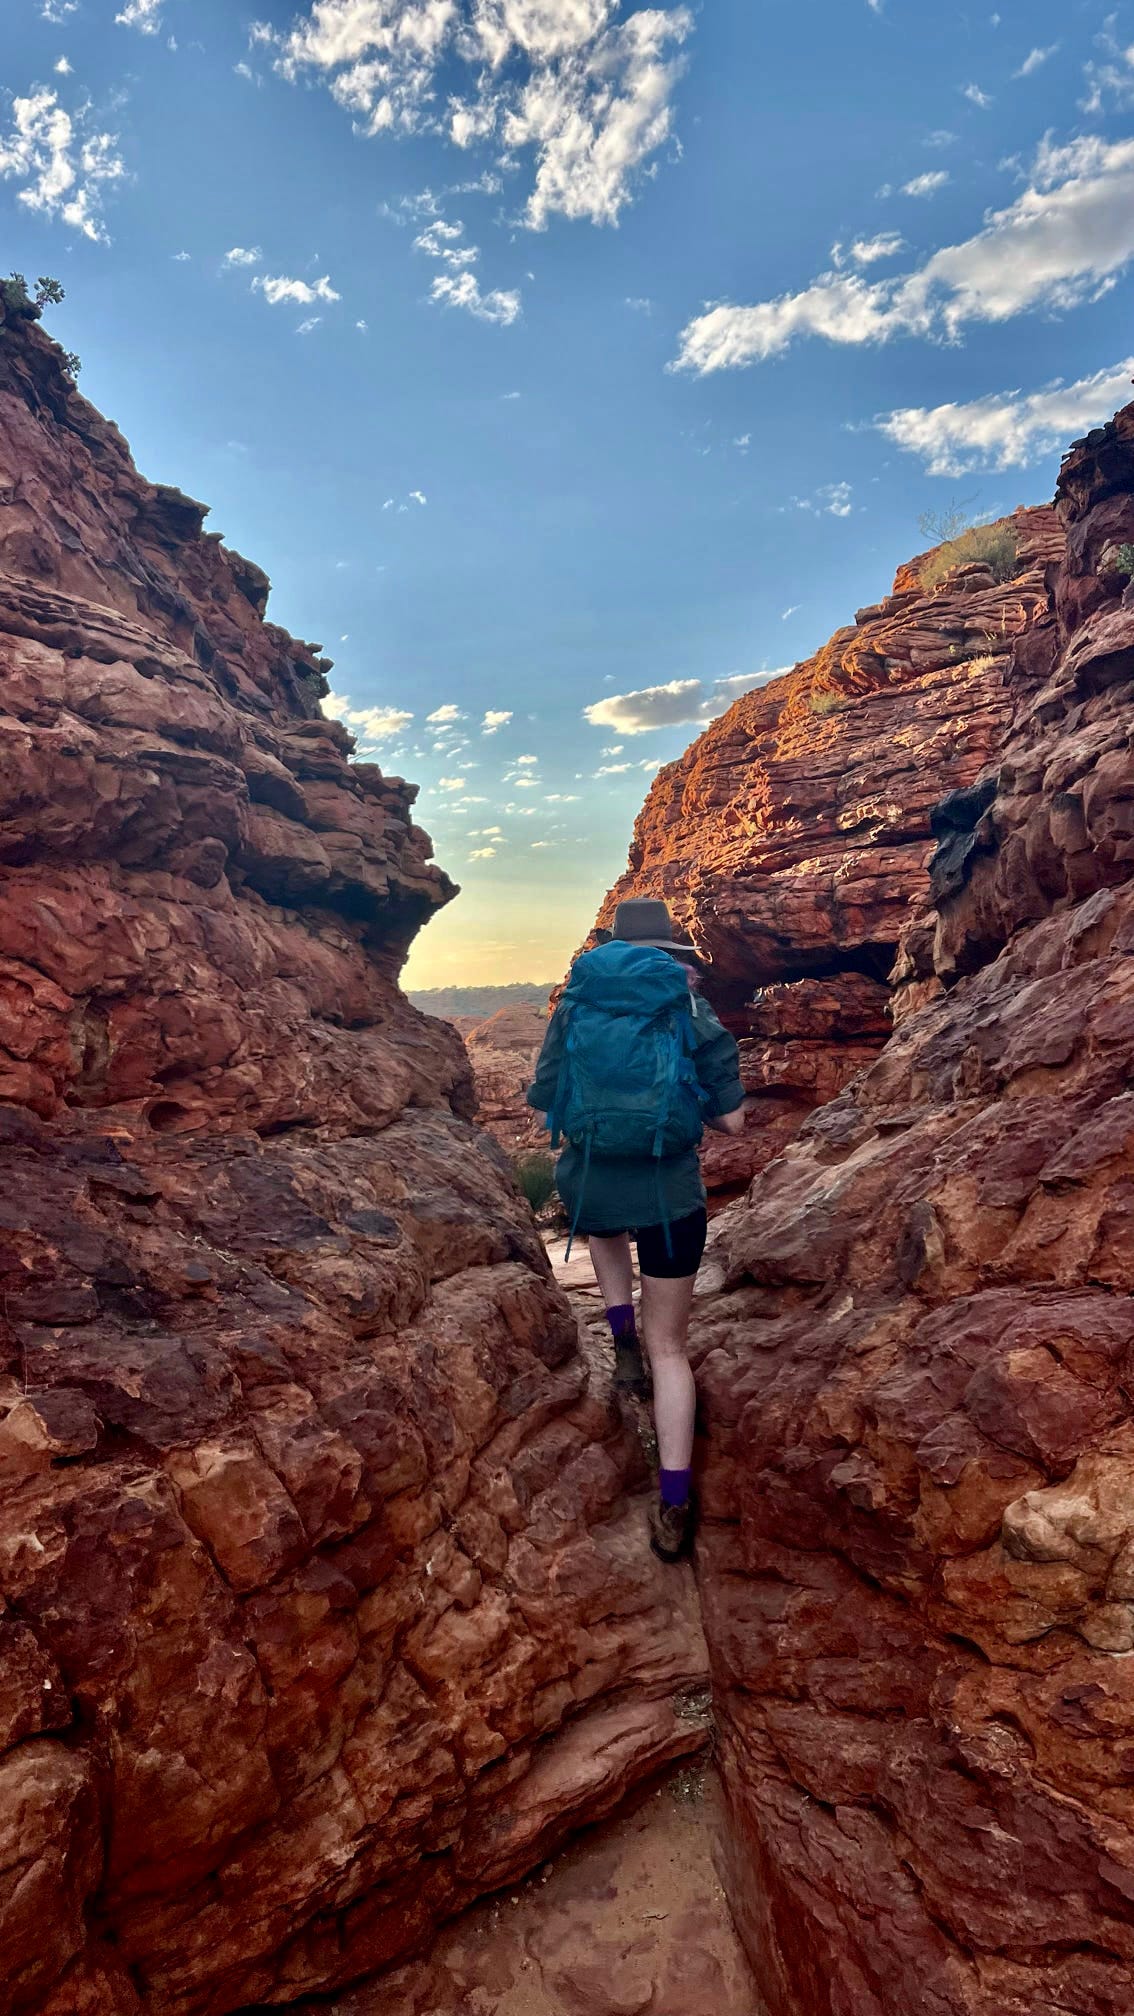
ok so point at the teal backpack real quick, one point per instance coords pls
(627, 1084)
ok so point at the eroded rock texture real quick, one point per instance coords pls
(918, 1574)
(503, 1051)
(323, 1608)
(793, 835)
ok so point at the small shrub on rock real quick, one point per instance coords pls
(995, 545)
(535, 1175)
(826, 703)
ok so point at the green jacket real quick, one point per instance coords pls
(622, 1195)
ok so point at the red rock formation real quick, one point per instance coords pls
(503, 1052)
(918, 1379)
(322, 1605)
(792, 836)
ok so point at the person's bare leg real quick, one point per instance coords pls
(614, 1270)
(665, 1319)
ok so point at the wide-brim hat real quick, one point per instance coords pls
(645, 920)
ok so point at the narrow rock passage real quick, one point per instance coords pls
(630, 1919)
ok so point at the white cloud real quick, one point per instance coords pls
(374, 724)
(1112, 77)
(462, 290)
(243, 255)
(976, 96)
(541, 843)
(482, 854)
(362, 327)
(180, 258)
(302, 292)
(418, 497)
(611, 769)
(444, 715)
(451, 783)
(63, 68)
(927, 184)
(1063, 241)
(587, 94)
(887, 245)
(834, 498)
(641, 304)
(496, 717)
(62, 163)
(1035, 61)
(305, 329)
(743, 442)
(941, 137)
(143, 14)
(793, 611)
(56, 11)
(1007, 430)
(527, 759)
(677, 704)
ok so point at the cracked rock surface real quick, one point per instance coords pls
(917, 1376)
(325, 1604)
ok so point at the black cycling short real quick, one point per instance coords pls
(684, 1252)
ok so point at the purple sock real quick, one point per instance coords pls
(621, 1320)
(675, 1486)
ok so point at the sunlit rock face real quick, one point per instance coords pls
(916, 1366)
(323, 1605)
(792, 837)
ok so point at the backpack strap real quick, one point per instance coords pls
(582, 1193)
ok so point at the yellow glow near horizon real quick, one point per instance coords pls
(493, 933)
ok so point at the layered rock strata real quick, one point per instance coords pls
(792, 836)
(323, 1605)
(918, 1379)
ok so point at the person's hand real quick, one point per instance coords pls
(729, 1123)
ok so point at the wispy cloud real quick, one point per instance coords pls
(457, 286)
(301, 292)
(63, 162)
(977, 97)
(678, 703)
(1035, 61)
(833, 498)
(444, 717)
(1063, 241)
(495, 718)
(928, 184)
(586, 96)
(463, 290)
(1109, 77)
(142, 14)
(1007, 430)
(243, 255)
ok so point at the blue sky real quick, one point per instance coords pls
(556, 355)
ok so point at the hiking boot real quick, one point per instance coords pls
(671, 1529)
(630, 1374)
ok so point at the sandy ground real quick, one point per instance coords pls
(629, 1921)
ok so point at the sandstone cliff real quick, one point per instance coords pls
(793, 835)
(322, 1604)
(917, 1369)
(503, 1052)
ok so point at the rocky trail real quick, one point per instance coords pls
(631, 1919)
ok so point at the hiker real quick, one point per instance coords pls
(633, 1066)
